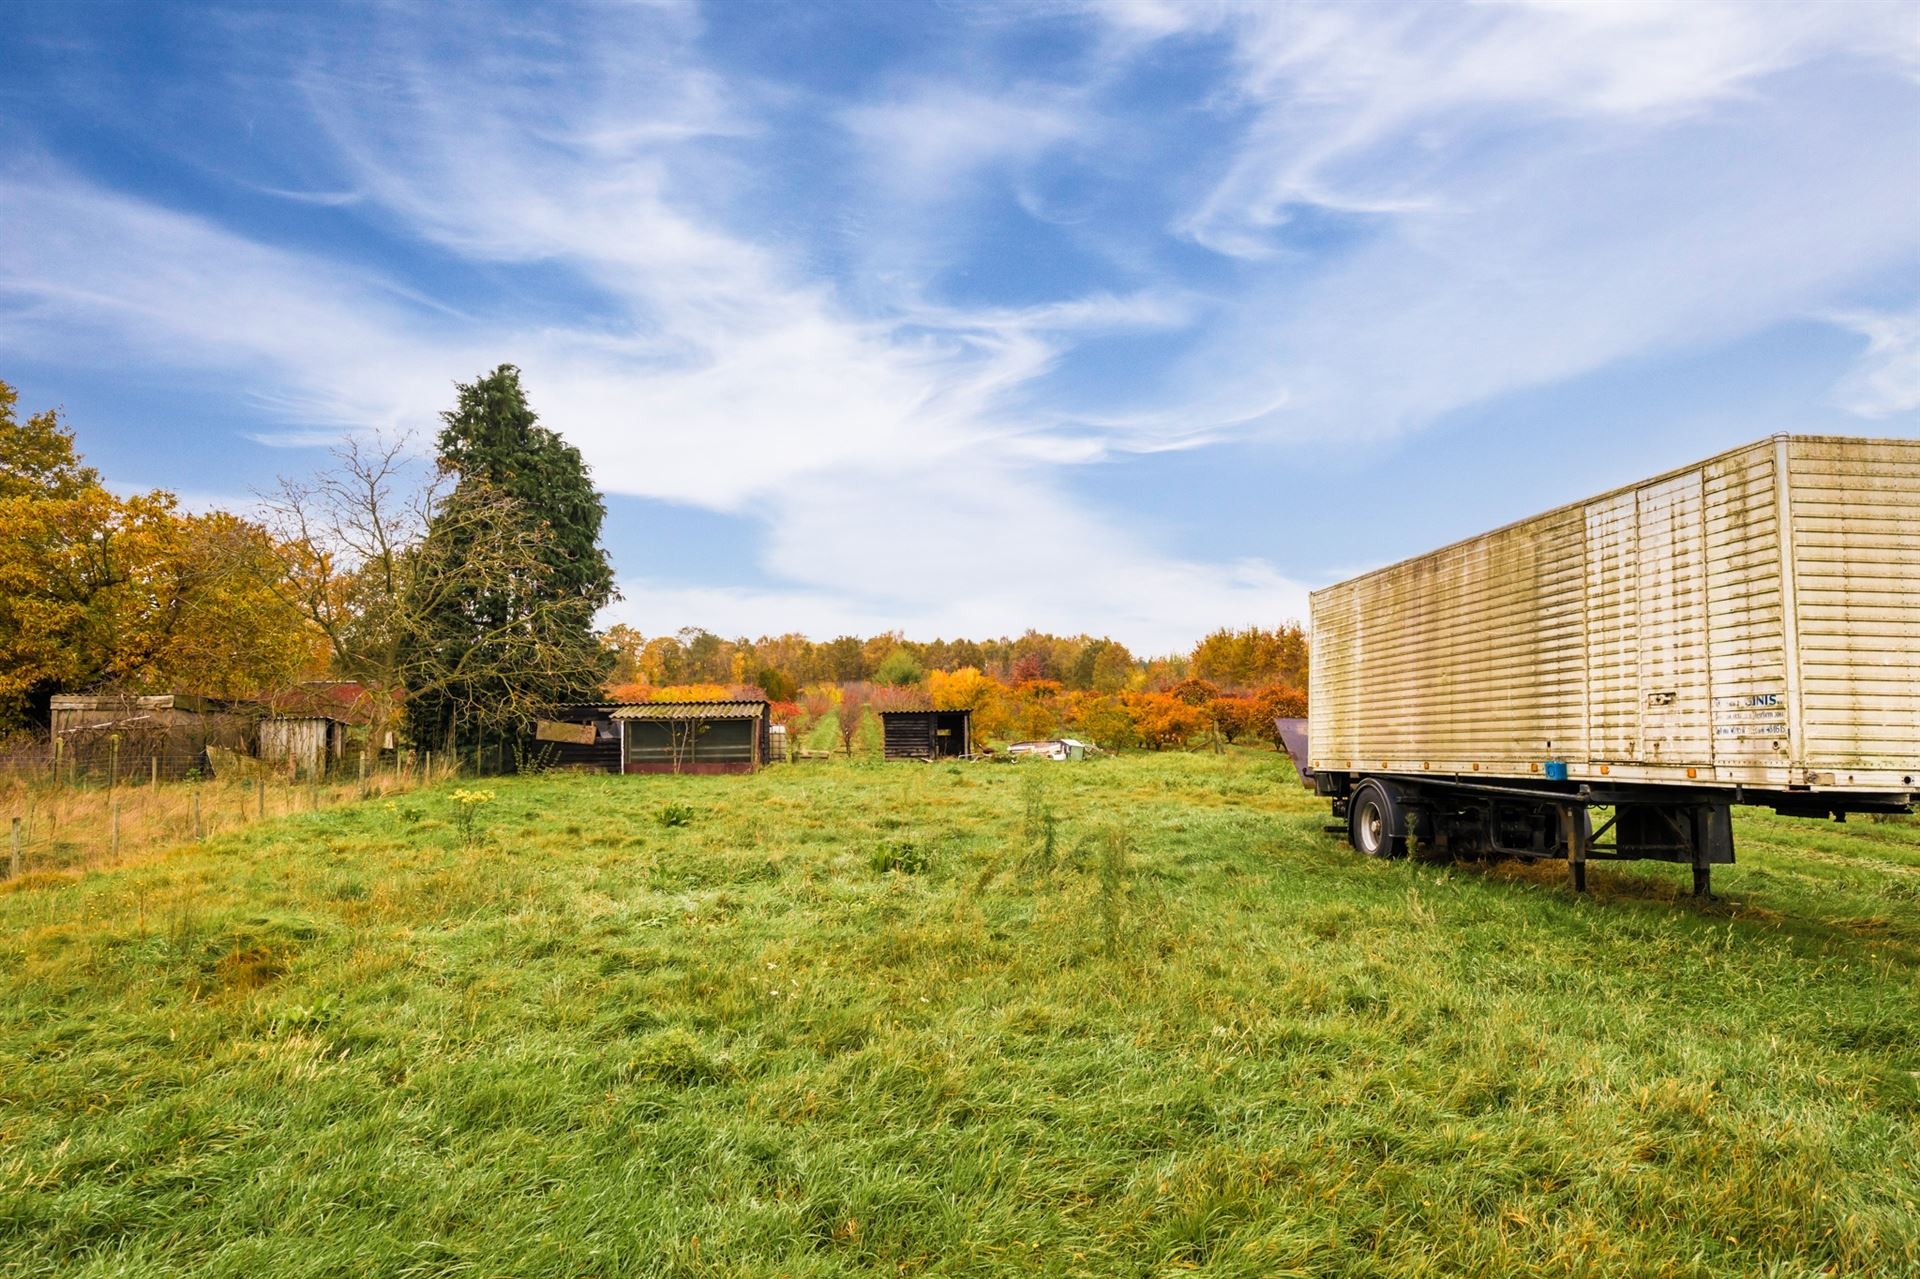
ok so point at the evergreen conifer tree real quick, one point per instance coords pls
(500, 643)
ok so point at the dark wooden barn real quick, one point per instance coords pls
(927, 734)
(656, 737)
(580, 737)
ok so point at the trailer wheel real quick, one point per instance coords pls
(1375, 824)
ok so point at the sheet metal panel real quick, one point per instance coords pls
(1856, 554)
(1746, 647)
(1671, 623)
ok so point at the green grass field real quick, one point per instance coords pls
(852, 1018)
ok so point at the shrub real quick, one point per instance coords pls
(898, 670)
(466, 813)
(672, 815)
(901, 855)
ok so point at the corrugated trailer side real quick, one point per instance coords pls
(1472, 657)
(1741, 630)
(1855, 512)
(1603, 634)
(1746, 625)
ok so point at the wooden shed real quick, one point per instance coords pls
(927, 734)
(579, 737)
(308, 727)
(309, 745)
(694, 737)
(733, 736)
(163, 734)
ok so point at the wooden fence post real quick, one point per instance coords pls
(113, 761)
(363, 773)
(197, 835)
(153, 770)
(59, 750)
(261, 787)
(13, 863)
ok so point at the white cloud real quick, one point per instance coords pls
(1334, 85)
(325, 346)
(980, 551)
(1887, 379)
(883, 453)
(1543, 190)
(924, 142)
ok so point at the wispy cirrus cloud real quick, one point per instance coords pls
(717, 373)
(1361, 107)
(886, 319)
(1887, 379)
(1533, 191)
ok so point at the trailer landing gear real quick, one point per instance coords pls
(1576, 834)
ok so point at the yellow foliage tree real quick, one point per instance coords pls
(963, 690)
(967, 689)
(98, 589)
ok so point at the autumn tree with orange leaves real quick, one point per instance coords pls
(98, 590)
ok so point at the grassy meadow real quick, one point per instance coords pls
(1140, 1016)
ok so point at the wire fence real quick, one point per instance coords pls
(56, 824)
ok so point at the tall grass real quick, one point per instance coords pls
(1207, 1038)
(66, 828)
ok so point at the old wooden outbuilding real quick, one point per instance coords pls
(308, 728)
(162, 734)
(732, 736)
(927, 734)
(308, 746)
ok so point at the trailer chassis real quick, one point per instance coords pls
(1389, 814)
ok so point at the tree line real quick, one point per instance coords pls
(1233, 685)
(783, 665)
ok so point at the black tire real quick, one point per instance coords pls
(1376, 826)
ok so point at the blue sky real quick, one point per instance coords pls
(1132, 318)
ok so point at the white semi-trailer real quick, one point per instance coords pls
(1742, 631)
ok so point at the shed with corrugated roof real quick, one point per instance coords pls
(694, 737)
(927, 734)
(711, 736)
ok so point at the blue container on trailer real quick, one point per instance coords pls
(1555, 770)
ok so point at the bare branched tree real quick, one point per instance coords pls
(348, 533)
(382, 551)
(853, 706)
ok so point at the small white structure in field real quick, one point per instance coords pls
(1059, 748)
(310, 745)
